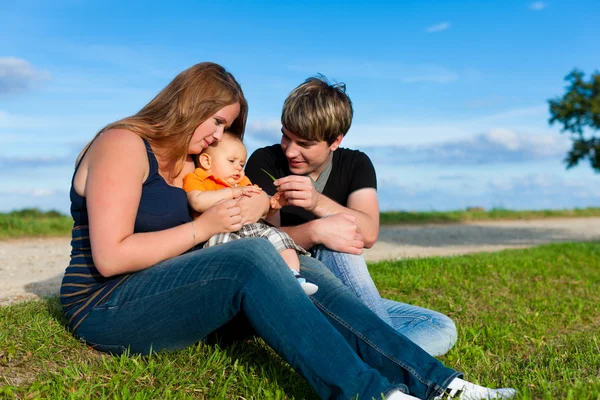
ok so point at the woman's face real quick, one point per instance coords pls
(212, 129)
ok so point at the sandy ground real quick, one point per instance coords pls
(31, 268)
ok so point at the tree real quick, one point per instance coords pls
(579, 113)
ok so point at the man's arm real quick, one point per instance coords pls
(362, 204)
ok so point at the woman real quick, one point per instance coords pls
(134, 283)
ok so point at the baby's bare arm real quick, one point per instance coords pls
(201, 201)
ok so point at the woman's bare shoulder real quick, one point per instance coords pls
(120, 147)
(120, 138)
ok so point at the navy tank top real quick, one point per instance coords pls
(162, 206)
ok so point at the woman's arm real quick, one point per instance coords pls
(116, 169)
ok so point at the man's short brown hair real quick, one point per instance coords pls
(317, 110)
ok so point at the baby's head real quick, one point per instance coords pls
(225, 159)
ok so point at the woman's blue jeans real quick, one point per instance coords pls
(433, 331)
(335, 342)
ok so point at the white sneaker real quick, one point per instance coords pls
(463, 390)
(308, 287)
(398, 395)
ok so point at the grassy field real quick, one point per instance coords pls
(414, 217)
(529, 319)
(35, 223)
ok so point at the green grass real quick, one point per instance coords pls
(32, 222)
(415, 217)
(529, 319)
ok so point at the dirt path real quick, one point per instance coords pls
(34, 267)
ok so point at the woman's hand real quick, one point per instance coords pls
(253, 208)
(223, 216)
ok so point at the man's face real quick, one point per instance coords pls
(306, 157)
(227, 160)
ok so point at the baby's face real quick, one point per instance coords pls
(227, 160)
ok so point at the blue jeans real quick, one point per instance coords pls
(335, 342)
(432, 331)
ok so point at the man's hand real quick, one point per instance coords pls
(340, 232)
(299, 191)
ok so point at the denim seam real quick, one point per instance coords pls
(413, 317)
(375, 347)
(134, 300)
(346, 277)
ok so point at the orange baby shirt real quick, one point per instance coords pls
(201, 180)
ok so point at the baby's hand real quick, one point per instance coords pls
(278, 200)
(248, 191)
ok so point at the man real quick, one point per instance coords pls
(332, 207)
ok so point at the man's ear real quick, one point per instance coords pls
(336, 143)
(204, 161)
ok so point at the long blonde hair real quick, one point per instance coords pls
(170, 119)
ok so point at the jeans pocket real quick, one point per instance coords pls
(111, 301)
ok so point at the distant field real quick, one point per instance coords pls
(33, 222)
(416, 217)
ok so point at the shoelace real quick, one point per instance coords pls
(450, 394)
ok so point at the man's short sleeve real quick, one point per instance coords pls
(363, 173)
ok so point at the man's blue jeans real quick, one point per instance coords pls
(433, 331)
(335, 342)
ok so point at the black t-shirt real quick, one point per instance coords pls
(351, 170)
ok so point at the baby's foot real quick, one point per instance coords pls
(308, 287)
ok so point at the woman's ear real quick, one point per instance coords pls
(204, 161)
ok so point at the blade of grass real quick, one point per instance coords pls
(270, 176)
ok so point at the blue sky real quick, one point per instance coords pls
(450, 97)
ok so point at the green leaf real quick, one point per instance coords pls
(270, 176)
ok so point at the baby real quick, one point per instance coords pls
(220, 175)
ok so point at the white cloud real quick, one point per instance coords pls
(503, 137)
(17, 75)
(42, 192)
(11, 163)
(417, 131)
(518, 192)
(496, 146)
(538, 5)
(268, 130)
(41, 198)
(438, 27)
